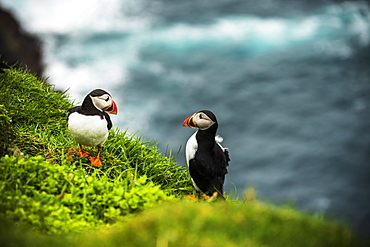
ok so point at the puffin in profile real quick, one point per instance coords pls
(89, 123)
(206, 158)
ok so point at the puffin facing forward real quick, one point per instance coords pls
(206, 158)
(90, 122)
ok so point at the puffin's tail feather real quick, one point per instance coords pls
(219, 138)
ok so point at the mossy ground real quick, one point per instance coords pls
(53, 198)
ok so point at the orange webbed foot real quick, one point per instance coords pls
(95, 161)
(192, 197)
(82, 153)
(205, 197)
(197, 197)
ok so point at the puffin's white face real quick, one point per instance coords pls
(102, 102)
(201, 121)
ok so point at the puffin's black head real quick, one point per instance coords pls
(98, 92)
(101, 100)
(202, 119)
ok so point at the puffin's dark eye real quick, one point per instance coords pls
(106, 99)
(200, 116)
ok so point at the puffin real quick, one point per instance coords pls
(89, 123)
(207, 160)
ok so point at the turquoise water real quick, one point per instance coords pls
(288, 81)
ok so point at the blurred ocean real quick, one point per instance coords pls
(289, 82)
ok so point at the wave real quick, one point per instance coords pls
(347, 22)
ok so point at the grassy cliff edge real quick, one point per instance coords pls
(51, 197)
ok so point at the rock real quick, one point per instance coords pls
(16, 45)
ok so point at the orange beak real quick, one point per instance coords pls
(113, 109)
(189, 122)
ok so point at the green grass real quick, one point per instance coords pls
(50, 197)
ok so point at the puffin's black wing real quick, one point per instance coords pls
(74, 109)
(222, 162)
(227, 156)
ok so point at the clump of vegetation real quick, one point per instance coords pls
(5, 130)
(58, 199)
(134, 199)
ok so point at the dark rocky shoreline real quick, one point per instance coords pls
(19, 46)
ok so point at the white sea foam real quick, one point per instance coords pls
(68, 16)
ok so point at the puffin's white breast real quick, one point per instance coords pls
(88, 130)
(191, 148)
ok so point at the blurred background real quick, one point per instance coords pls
(288, 80)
